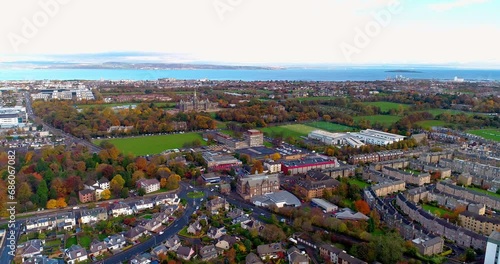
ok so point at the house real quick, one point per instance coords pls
(135, 233)
(208, 252)
(194, 227)
(65, 221)
(226, 242)
(167, 198)
(336, 255)
(30, 249)
(295, 256)
(142, 205)
(120, 208)
(161, 217)
(139, 259)
(97, 248)
(86, 195)
(185, 253)
(152, 225)
(157, 251)
(115, 242)
(252, 224)
(241, 219)
(216, 204)
(215, 233)
(272, 251)
(252, 258)
(75, 254)
(90, 216)
(149, 185)
(173, 243)
(41, 260)
(235, 213)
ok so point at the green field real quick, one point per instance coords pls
(435, 210)
(195, 195)
(152, 144)
(361, 184)
(71, 241)
(159, 105)
(493, 134)
(315, 98)
(496, 195)
(385, 120)
(295, 131)
(332, 127)
(427, 124)
(438, 111)
(386, 106)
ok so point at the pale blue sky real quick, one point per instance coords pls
(457, 32)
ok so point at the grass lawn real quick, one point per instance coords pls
(483, 191)
(438, 111)
(435, 210)
(147, 216)
(71, 241)
(360, 183)
(195, 195)
(427, 124)
(295, 131)
(331, 127)
(493, 134)
(385, 120)
(386, 106)
(85, 241)
(144, 145)
(102, 237)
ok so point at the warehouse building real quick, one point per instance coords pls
(325, 205)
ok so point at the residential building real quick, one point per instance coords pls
(91, 216)
(252, 258)
(429, 246)
(30, 249)
(142, 205)
(295, 256)
(208, 252)
(75, 254)
(216, 233)
(173, 243)
(149, 185)
(337, 256)
(139, 259)
(97, 248)
(185, 253)
(115, 242)
(120, 208)
(271, 251)
(157, 251)
(86, 195)
(194, 228)
(133, 234)
(216, 204)
(480, 224)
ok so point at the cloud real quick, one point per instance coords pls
(441, 7)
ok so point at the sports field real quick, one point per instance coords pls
(493, 134)
(385, 120)
(144, 145)
(386, 106)
(296, 130)
(331, 127)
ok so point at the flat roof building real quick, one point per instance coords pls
(325, 205)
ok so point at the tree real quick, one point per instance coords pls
(51, 204)
(276, 156)
(362, 207)
(389, 248)
(231, 256)
(43, 193)
(470, 255)
(24, 192)
(106, 194)
(257, 167)
(61, 202)
(163, 183)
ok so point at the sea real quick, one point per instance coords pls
(291, 74)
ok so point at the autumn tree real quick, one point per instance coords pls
(276, 156)
(257, 167)
(163, 183)
(61, 203)
(24, 192)
(106, 194)
(51, 204)
(173, 181)
(362, 207)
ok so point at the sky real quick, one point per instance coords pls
(253, 32)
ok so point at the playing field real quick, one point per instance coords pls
(427, 124)
(385, 120)
(295, 131)
(152, 144)
(436, 112)
(332, 127)
(386, 106)
(493, 134)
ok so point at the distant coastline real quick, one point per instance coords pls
(404, 71)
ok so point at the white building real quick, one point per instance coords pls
(375, 137)
(120, 209)
(149, 185)
(336, 138)
(492, 255)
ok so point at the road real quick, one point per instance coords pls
(69, 139)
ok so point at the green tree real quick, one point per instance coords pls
(43, 193)
(389, 248)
